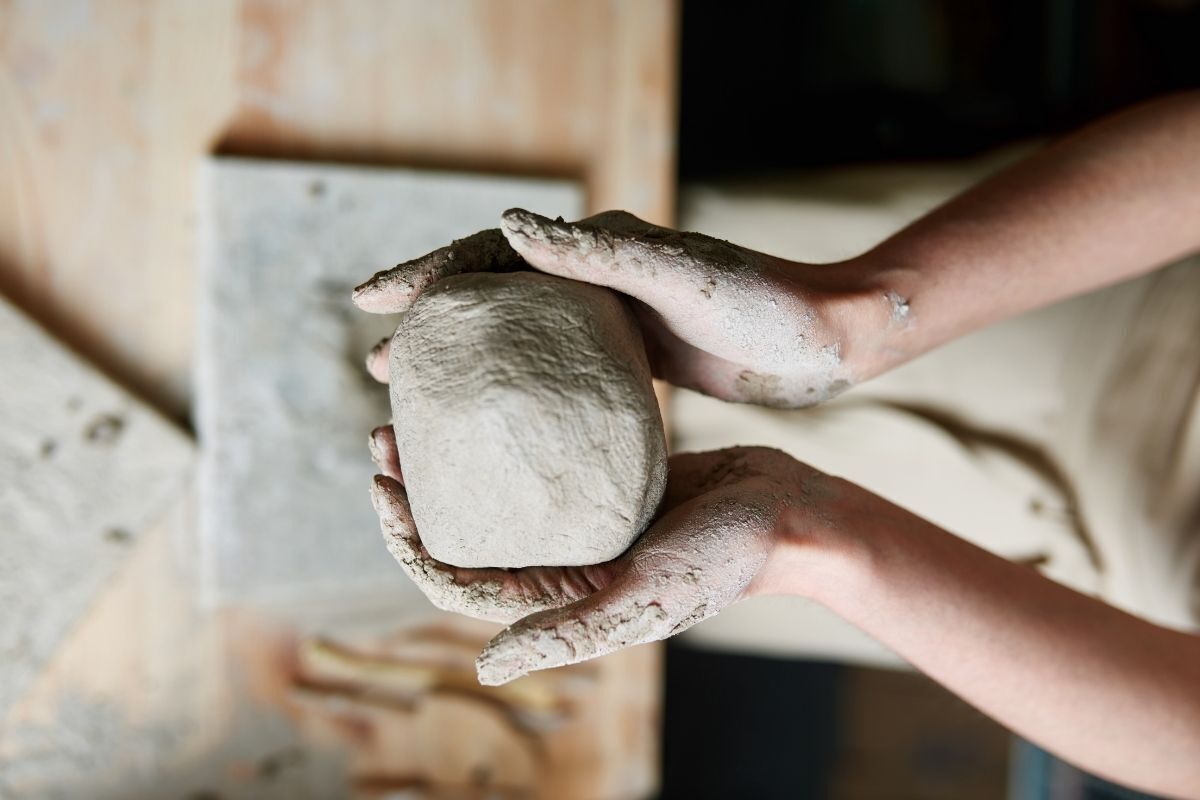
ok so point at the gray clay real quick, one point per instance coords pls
(526, 422)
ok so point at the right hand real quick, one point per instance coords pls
(730, 322)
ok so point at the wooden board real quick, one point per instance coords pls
(106, 109)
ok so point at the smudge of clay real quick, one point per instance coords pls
(837, 387)
(730, 468)
(47, 448)
(760, 389)
(105, 429)
(273, 764)
(118, 535)
(899, 306)
(391, 290)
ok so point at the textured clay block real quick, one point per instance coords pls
(526, 422)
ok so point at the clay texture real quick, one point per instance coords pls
(525, 421)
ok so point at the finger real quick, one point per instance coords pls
(623, 614)
(382, 444)
(378, 360)
(392, 291)
(479, 593)
(624, 222)
(620, 257)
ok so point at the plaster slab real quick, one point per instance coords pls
(85, 468)
(284, 402)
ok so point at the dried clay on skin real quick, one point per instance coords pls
(735, 303)
(526, 421)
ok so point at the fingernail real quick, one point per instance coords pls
(378, 358)
(375, 294)
(521, 223)
(365, 288)
(373, 446)
(525, 225)
(377, 443)
(383, 496)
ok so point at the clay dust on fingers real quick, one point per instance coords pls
(393, 290)
(475, 596)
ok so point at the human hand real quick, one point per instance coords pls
(720, 518)
(718, 318)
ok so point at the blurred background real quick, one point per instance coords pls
(197, 603)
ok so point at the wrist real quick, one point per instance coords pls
(865, 304)
(817, 549)
(877, 314)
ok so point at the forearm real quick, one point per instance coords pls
(1117, 199)
(1114, 694)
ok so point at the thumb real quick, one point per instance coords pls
(621, 615)
(654, 598)
(615, 250)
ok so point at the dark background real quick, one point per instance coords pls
(769, 87)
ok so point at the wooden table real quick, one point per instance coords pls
(105, 110)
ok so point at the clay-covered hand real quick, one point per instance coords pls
(718, 318)
(721, 515)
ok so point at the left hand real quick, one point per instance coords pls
(719, 521)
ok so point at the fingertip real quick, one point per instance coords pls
(490, 674)
(521, 222)
(532, 234)
(390, 291)
(376, 442)
(384, 452)
(501, 661)
(388, 497)
(367, 296)
(379, 490)
(378, 360)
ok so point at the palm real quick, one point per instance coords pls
(701, 554)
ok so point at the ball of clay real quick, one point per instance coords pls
(526, 422)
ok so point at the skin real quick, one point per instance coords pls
(1110, 692)
(721, 319)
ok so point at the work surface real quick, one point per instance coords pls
(106, 112)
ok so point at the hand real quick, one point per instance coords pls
(721, 516)
(730, 322)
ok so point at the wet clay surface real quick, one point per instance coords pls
(526, 421)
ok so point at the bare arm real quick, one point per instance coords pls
(1115, 200)
(1107, 691)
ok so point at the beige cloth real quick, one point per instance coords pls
(1068, 437)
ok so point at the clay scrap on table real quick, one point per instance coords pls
(526, 421)
(285, 405)
(84, 469)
